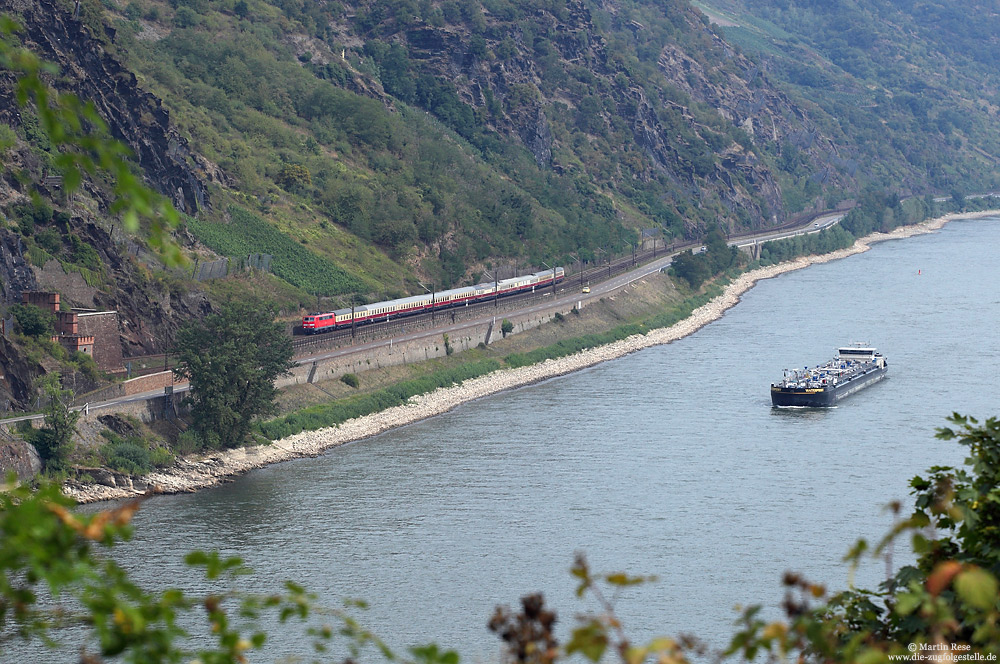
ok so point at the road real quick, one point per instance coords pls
(568, 294)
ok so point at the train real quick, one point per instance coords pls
(316, 323)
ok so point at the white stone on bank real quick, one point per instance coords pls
(191, 474)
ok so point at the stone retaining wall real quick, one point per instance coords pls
(418, 350)
(146, 410)
(127, 388)
(156, 381)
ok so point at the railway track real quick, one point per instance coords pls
(591, 275)
(594, 274)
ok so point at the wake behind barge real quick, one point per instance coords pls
(854, 368)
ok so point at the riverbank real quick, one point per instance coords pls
(192, 474)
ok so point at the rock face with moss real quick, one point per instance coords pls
(16, 384)
(133, 115)
(19, 457)
(16, 275)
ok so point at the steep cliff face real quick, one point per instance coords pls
(19, 457)
(548, 78)
(150, 310)
(18, 375)
(16, 274)
(134, 116)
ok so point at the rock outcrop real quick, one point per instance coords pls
(19, 457)
(16, 275)
(517, 93)
(133, 115)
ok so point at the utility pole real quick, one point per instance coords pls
(431, 291)
(580, 263)
(553, 276)
(496, 286)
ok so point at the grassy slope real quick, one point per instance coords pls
(618, 314)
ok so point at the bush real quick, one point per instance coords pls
(84, 254)
(186, 18)
(127, 456)
(189, 442)
(49, 240)
(7, 138)
(332, 414)
(350, 380)
(132, 455)
(85, 364)
(34, 321)
(295, 178)
(52, 449)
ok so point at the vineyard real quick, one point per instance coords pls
(247, 233)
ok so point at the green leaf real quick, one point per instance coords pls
(907, 603)
(870, 656)
(431, 654)
(977, 588)
(590, 640)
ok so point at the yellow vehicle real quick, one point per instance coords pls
(586, 289)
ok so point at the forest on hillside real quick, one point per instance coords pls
(384, 143)
(454, 135)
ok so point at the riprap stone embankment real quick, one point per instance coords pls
(192, 474)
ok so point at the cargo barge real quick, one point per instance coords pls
(854, 368)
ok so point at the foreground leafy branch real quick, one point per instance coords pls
(944, 606)
(84, 146)
(48, 549)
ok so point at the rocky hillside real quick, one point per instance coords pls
(369, 145)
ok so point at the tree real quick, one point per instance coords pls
(506, 327)
(34, 321)
(85, 145)
(295, 178)
(958, 200)
(232, 358)
(54, 441)
(692, 268)
(720, 255)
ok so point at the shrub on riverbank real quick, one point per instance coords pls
(132, 455)
(332, 414)
(337, 412)
(824, 242)
(566, 347)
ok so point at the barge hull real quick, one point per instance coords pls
(824, 397)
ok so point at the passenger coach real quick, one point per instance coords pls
(408, 306)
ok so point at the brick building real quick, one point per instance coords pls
(103, 327)
(92, 332)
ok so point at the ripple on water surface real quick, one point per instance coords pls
(669, 461)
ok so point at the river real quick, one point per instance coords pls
(669, 461)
